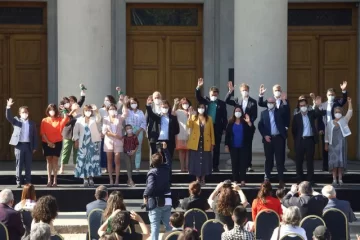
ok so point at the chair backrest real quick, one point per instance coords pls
(337, 223)
(195, 218)
(265, 223)
(4, 234)
(173, 236)
(26, 218)
(94, 220)
(311, 222)
(212, 229)
(292, 236)
(56, 237)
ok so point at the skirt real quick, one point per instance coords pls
(48, 151)
(181, 144)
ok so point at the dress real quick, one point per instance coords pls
(337, 150)
(88, 158)
(200, 161)
(183, 136)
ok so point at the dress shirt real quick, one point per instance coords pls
(307, 131)
(164, 128)
(136, 119)
(274, 130)
(278, 102)
(328, 111)
(24, 134)
(212, 110)
(244, 103)
(157, 109)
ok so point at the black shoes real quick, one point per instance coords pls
(250, 169)
(18, 185)
(216, 170)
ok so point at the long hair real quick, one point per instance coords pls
(52, 106)
(115, 201)
(233, 118)
(189, 234)
(228, 200)
(181, 102)
(45, 210)
(197, 113)
(265, 191)
(28, 193)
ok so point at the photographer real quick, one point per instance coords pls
(157, 194)
(224, 199)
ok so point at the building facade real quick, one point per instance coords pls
(47, 48)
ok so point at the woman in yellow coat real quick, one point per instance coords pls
(200, 144)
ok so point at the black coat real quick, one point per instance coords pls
(247, 134)
(251, 107)
(264, 124)
(97, 204)
(308, 204)
(12, 220)
(284, 107)
(297, 126)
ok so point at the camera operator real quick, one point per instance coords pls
(224, 199)
(157, 194)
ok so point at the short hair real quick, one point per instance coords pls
(303, 100)
(40, 231)
(301, 97)
(23, 107)
(101, 192)
(52, 106)
(111, 99)
(45, 210)
(305, 188)
(214, 89)
(111, 106)
(128, 104)
(332, 90)
(128, 125)
(156, 159)
(244, 85)
(73, 98)
(276, 86)
(120, 222)
(339, 108)
(292, 216)
(156, 93)
(271, 99)
(194, 188)
(6, 196)
(328, 191)
(87, 108)
(165, 102)
(239, 215)
(177, 219)
(280, 193)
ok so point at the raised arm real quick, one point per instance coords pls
(8, 113)
(150, 112)
(82, 98)
(261, 101)
(342, 101)
(350, 110)
(199, 98)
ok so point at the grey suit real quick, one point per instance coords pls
(343, 206)
(23, 150)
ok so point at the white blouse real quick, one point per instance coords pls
(29, 205)
(136, 119)
(343, 123)
(182, 117)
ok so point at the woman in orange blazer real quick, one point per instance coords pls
(200, 144)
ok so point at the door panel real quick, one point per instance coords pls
(4, 95)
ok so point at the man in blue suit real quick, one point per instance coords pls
(101, 195)
(272, 127)
(25, 140)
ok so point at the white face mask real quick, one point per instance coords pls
(164, 110)
(270, 105)
(303, 109)
(201, 110)
(244, 93)
(24, 116)
(185, 106)
(213, 98)
(87, 113)
(52, 113)
(237, 114)
(330, 98)
(338, 115)
(112, 112)
(133, 105)
(277, 94)
(157, 101)
(129, 131)
(66, 105)
(106, 103)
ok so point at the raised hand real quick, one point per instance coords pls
(149, 100)
(318, 101)
(283, 96)
(343, 85)
(200, 82)
(247, 118)
(176, 101)
(93, 107)
(312, 95)
(349, 99)
(262, 89)
(230, 86)
(10, 102)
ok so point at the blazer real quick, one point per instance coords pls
(79, 129)
(154, 125)
(308, 204)
(221, 112)
(97, 204)
(195, 202)
(264, 124)
(297, 126)
(284, 107)
(16, 122)
(209, 136)
(251, 107)
(247, 134)
(343, 206)
(12, 220)
(119, 129)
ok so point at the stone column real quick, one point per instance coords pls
(260, 48)
(84, 48)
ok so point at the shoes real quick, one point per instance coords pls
(341, 182)
(216, 170)
(18, 185)
(250, 169)
(334, 183)
(49, 184)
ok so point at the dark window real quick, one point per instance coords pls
(164, 16)
(320, 17)
(21, 15)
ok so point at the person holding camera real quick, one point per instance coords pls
(157, 194)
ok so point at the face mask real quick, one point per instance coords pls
(303, 109)
(107, 103)
(244, 93)
(157, 101)
(52, 113)
(237, 114)
(129, 131)
(67, 105)
(133, 106)
(277, 93)
(201, 110)
(338, 115)
(24, 116)
(88, 113)
(213, 98)
(164, 110)
(330, 98)
(270, 105)
(112, 112)
(185, 106)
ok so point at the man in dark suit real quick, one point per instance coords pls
(308, 201)
(273, 130)
(25, 140)
(176, 222)
(305, 137)
(216, 109)
(101, 195)
(249, 107)
(329, 192)
(9, 217)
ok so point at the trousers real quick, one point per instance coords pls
(68, 146)
(23, 155)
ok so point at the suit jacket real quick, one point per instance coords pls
(297, 126)
(209, 136)
(17, 124)
(308, 204)
(247, 134)
(154, 125)
(343, 206)
(221, 112)
(97, 204)
(12, 220)
(195, 202)
(284, 107)
(251, 107)
(264, 124)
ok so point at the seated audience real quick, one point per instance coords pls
(264, 201)
(321, 233)
(195, 200)
(305, 199)
(40, 231)
(176, 222)
(224, 199)
(280, 194)
(189, 234)
(329, 192)
(28, 198)
(9, 217)
(101, 196)
(239, 217)
(45, 210)
(115, 202)
(290, 224)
